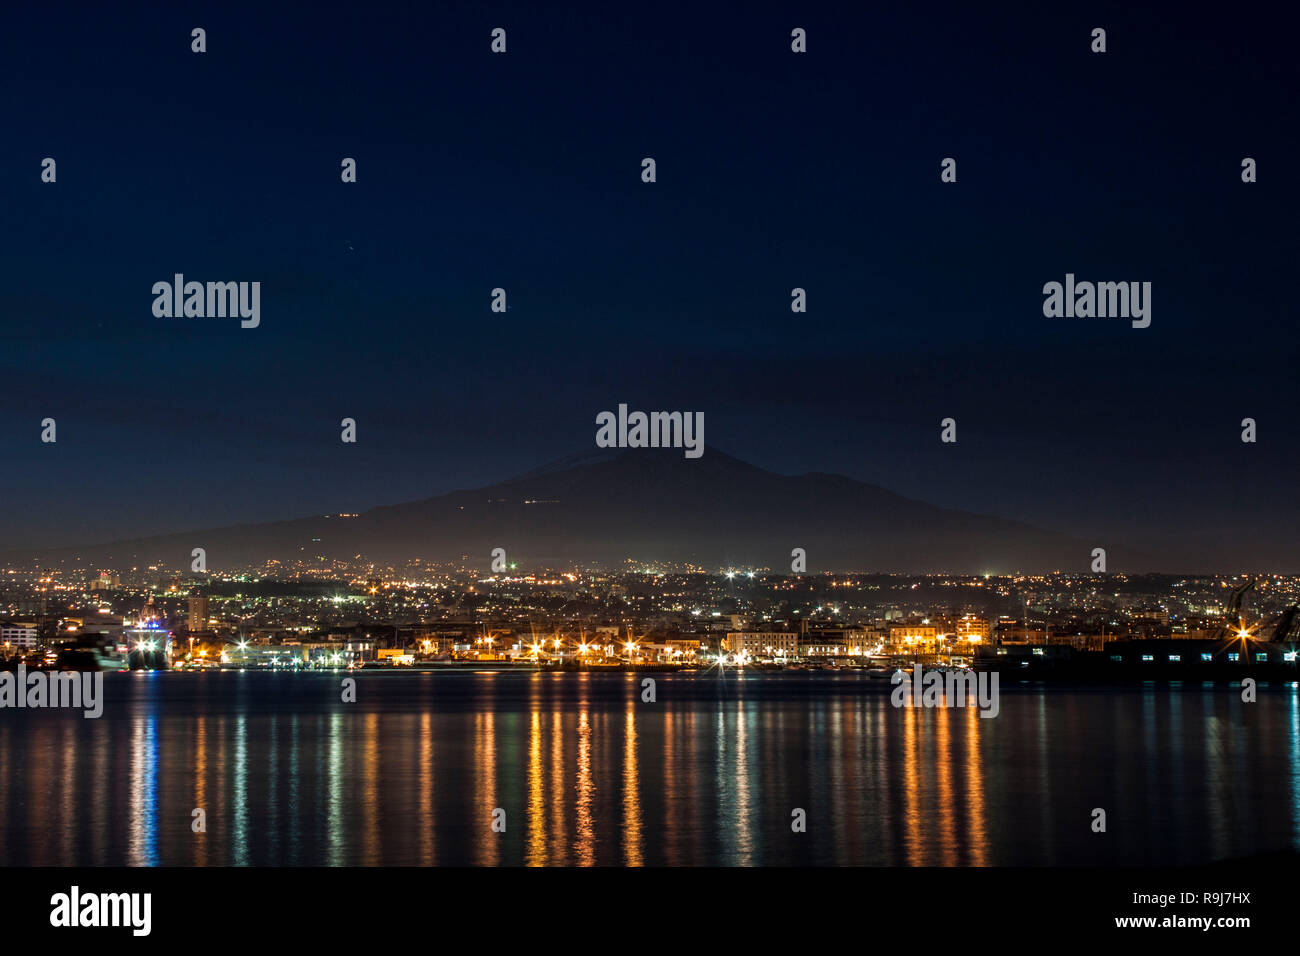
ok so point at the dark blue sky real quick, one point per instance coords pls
(775, 170)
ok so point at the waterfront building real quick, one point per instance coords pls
(972, 629)
(762, 644)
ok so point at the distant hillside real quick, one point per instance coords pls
(647, 504)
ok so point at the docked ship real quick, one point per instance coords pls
(1265, 652)
(92, 652)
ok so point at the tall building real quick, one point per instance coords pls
(198, 614)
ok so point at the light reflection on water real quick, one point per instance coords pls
(589, 774)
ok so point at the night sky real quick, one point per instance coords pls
(775, 170)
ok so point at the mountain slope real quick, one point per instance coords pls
(646, 504)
